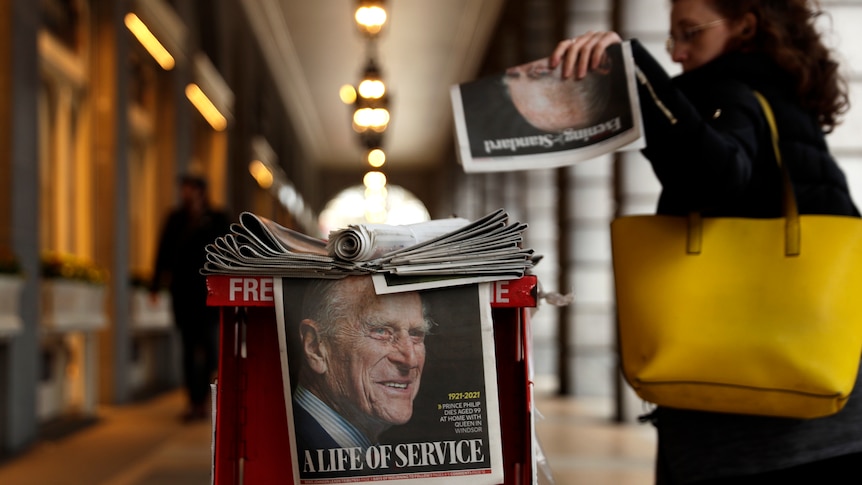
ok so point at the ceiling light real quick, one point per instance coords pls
(206, 107)
(375, 201)
(370, 16)
(374, 180)
(347, 93)
(376, 158)
(375, 119)
(261, 173)
(377, 194)
(210, 93)
(149, 41)
(371, 111)
(372, 86)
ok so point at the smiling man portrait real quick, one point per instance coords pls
(362, 359)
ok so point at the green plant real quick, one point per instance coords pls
(69, 266)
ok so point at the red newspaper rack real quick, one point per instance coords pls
(252, 438)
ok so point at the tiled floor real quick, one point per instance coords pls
(138, 444)
(583, 446)
(144, 444)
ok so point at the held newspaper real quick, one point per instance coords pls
(529, 117)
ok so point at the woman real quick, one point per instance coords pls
(709, 145)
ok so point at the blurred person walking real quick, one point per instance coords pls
(181, 255)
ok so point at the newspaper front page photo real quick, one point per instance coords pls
(395, 388)
(529, 117)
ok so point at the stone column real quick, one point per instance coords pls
(110, 148)
(19, 24)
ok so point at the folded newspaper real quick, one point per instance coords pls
(529, 117)
(436, 253)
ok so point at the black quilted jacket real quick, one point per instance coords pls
(717, 156)
(708, 142)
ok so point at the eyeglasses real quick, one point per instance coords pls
(394, 336)
(689, 34)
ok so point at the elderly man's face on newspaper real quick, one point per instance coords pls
(546, 100)
(377, 359)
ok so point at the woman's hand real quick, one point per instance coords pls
(582, 53)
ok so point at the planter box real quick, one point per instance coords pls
(150, 316)
(72, 305)
(10, 296)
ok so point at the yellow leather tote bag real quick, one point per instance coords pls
(739, 315)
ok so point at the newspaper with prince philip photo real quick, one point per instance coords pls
(530, 117)
(395, 388)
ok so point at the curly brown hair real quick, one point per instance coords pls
(786, 32)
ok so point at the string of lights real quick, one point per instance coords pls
(370, 103)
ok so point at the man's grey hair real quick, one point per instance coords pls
(326, 302)
(594, 90)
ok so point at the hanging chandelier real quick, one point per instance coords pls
(370, 16)
(371, 107)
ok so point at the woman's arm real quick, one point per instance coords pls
(702, 140)
(704, 159)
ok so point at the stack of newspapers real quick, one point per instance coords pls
(454, 249)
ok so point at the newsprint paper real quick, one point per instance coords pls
(529, 117)
(430, 254)
(355, 407)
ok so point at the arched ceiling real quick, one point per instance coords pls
(313, 48)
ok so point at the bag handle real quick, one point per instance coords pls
(792, 229)
(791, 211)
